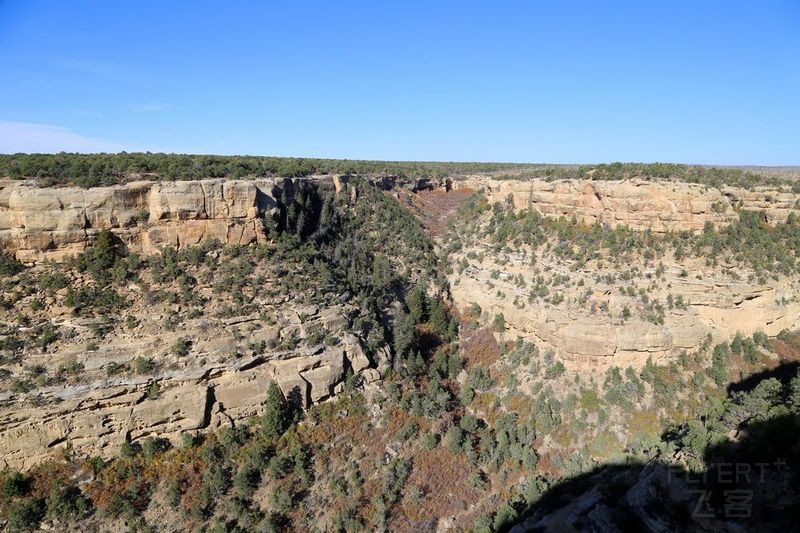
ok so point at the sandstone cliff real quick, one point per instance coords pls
(259, 328)
(50, 223)
(639, 204)
(586, 330)
(97, 415)
(579, 313)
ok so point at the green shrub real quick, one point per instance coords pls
(429, 441)
(505, 517)
(719, 367)
(281, 501)
(66, 503)
(153, 390)
(275, 419)
(761, 339)
(499, 323)
(144, 365)
(113, 368)
(182, 347)
(16, 484)
(9, 265)
(25, 514)
(454, 438)
(129, 449)
(554, 371)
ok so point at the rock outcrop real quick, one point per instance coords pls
(659, 206)
(298, 338)
(580, 312)
(51, 223)
(594, 336)
(207, 391)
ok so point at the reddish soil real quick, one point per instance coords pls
(478, 346)
(434, 208)
(788, 351)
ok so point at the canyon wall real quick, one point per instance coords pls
(640, 204)
(51, 223)
(95, 416)
(211, 387)
(222, 380)
(592, 335)
(586, 329)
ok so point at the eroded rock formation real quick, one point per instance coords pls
(593, 334)
(639, 204)
(96, 417)
(584, 324)
(51, 223)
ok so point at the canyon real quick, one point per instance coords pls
(50, 224)
(220, 302)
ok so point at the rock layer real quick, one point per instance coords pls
(659, 206)
(95, 417)
(51, 223)
(587, 338)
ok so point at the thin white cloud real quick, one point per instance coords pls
(46, 138)
(150, 107)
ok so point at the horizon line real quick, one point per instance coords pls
(424, 161)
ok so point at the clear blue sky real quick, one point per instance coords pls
(561, 81)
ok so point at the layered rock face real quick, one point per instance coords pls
(96, 416)
(51, 223)
(297, 335)
(221, 378)
(639, 204)
(582, 318)
(586, 330)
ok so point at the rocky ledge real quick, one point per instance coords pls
(640, 204)
(51, 223)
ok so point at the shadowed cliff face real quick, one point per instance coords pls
(745, 474)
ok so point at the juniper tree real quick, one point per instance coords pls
(417, 303)
(275, 419)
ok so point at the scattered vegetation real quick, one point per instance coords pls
(91, 170)
(469, 422)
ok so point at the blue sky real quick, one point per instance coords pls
(681, 81)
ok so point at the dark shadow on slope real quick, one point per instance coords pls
(751, 483)
(782, 373)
